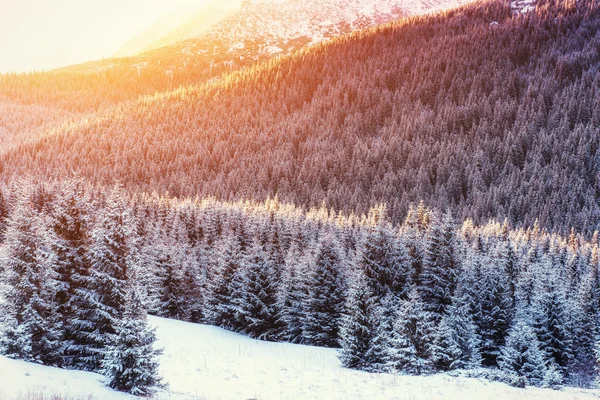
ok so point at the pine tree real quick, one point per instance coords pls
(378, 357)
(4, 214)
(506, 260)
(411, 343)
(33, 332)
(493, 314)
(415, 226)
(384, 262)
(464, 334)
(150, 253)
(522, 354)
(440, 268)
(130, 363)
(184, 259)
(193, 282)
(445, 351)
(259, 307)
(291, 293)
(219, 302)
(357, 326)
(112, 253)
(74, 297)
(584, 328)
(325, 301)
(170, 266)
(551, 322)
(171, 290)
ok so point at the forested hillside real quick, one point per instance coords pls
(420, 297)
(482, 111)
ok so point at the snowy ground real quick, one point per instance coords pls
(203, 362)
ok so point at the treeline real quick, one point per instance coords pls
(485, 112)
(419, 297)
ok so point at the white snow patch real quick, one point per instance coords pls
(523, 6)
(204, 362)
(273, 49)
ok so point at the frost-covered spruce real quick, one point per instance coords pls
(552, 324)
(356, 327)
(522, 354)
(384, 261)
(493, 313)
(440, 265)
(130, 364)
(457, 329)
(169, 271)
(113, 254)
(72, 220)
(219, 309)
(32, 327)
(325, 302)
(445, 351)
(378, 357)
(259, 306)
(412, 340)
(291, 293)
(181, 305)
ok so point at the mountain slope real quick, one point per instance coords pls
(270, 26)
(210, 363)
(221, 37)
(480, 110)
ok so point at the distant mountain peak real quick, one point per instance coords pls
(263, 28)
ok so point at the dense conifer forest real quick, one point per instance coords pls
(82, 265)
(489, 113)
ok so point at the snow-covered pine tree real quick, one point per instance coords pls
(457, 344)
(194, 279)
(291, 293)
(522, 354)
(493, 313)
(325, 301)
(171, 291)
(440, 265)
(506, 259)
(384, 262)
(130, 363)
(551, 322)
(171, 258)
(220, 309)
(72, 221)
(259, 306)
(187, 263)
(445, 351)
(412, 340)
(460, 319)
(33, 329)
(274, 247)
(357, 326)
(112, 253)
(378, 357)
(413, 232)
(149, 276)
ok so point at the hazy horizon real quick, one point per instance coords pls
(37, 35)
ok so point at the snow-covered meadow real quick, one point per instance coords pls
(204, 362)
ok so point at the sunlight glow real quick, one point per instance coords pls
(46, 34)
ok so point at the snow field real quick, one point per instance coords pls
(204, 362)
